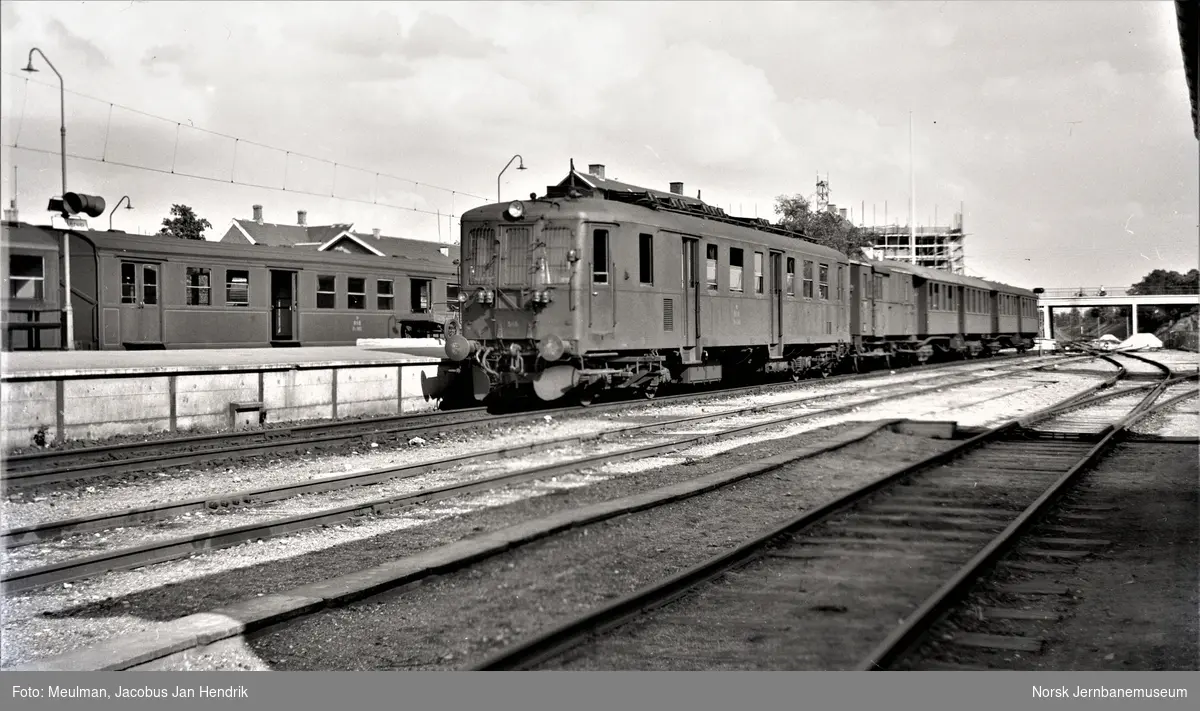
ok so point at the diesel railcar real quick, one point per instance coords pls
(599, 284)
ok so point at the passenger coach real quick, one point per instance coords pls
(146, 292)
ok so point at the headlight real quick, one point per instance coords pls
(515, 210)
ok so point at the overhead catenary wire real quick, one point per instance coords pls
(236, 139)
(222, 180)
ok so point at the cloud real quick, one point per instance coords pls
(90, 52)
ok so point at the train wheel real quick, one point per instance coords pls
(795, 375)
(650, 393)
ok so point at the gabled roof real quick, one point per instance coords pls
(409, 248)
(274, 235)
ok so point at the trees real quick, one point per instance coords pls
(1152, 319)
(1161, 281)
(185, 224)
(824, 228)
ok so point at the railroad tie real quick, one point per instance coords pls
(998, 641)
(1033, 587)
(1009, 613)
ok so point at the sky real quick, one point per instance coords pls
(1062, 129)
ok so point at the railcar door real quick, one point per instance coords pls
(883, 303)
(689, 313)
(602, 317)
(775, 265)
(866, 301)
(283, 305)
(141, 310)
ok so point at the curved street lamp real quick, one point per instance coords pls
(510, 161)
(128, 206)
(62, 99)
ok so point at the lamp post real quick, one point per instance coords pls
(519, 167)
(128, 206)
(66, 239)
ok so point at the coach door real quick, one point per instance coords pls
(689, 311)
(602, 317)
(283, 306)
(775, 265)
(141, 310)
(866, 301)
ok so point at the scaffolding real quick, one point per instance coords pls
(938, 247)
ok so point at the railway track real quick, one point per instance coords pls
(36, 469)
(632, 445)
(825, 590)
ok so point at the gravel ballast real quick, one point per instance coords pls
(50, 622)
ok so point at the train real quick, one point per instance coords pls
(138, 292)
(599, 286)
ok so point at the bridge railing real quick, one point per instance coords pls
(1084, 291)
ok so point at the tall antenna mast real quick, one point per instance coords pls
(912, 193)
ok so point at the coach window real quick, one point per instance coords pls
(385, 297)
(736, 264)
(951, 300)
(841, 284)
(758, 273)
(600, 256)
(237, 287)
(791, 276)
(878, 287)
(419, 292)
(823, 281)
(356, 293)
(935, 296)
(149, 284)
(326, 292)
(646, 259)
(452, 297)
(27, 276)
(710, 266)
(199, 287)
(128, 283)
(808, 279)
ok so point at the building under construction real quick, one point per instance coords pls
(937, 247)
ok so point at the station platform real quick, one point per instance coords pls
(96, 395)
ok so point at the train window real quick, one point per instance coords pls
(550, 256)
(935, 301)
(878, 287)
(452, 297)
(385, 295)
(150, 284)
(356, 292)
(237, 287)
(516, 262)
(735, 269)
(950, 301)
(807, 284)
(419, 292)
(791, 276)
(128, 283)
(646, 259)
(823, 280)
(758, 273)
(480, 251)
(841, 284)
(326, 292)
(199, 286)
(600, 256)
(26, 276)
(710, 266)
